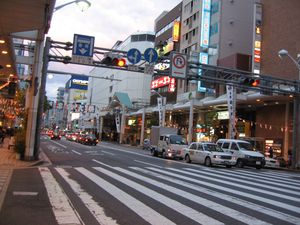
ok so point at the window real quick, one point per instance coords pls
(110, 89)
(225, 145)
(193, 146)
(142, 37)
(234, 146)
(134, 38)
(200, 147)
(150, 37)
(215, 7)
(214, 29)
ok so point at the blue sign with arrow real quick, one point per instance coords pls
(83, 45)
(134, 56)
(150, 55)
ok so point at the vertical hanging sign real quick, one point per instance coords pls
(231, 102)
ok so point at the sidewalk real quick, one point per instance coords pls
(8, 158)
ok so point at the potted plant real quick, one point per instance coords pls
(20, 143)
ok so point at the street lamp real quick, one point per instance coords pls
(161, 102)
(296, 143)
(82, 4)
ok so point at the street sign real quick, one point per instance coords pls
(178, 65)
(149, 69)
(83, 49)
(150, 55)
(134, 55)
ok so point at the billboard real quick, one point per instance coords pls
(79, 82)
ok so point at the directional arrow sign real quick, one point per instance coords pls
(150, 55)
(134, 56)
(83, 49)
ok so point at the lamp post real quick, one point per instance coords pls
(296, 132)
(162, 101)
(82, 4)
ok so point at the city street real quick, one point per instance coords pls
(113, 184)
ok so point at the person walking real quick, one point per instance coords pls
(271, 152)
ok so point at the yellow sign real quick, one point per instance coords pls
(176, 31)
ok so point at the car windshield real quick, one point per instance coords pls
(177, 139)
(212, 148)
(246, 146)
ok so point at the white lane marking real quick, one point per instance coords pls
(197, 199)
(238, 185)
(138, 207)
(266, 176)
(235, 200)
(61, 205)
(174, 205)
(230, 190)
(87, 199)
(25, 193)
(150, 164)
(108, 152)
(254, 178)
(78, 153)
(246, 182)
(59, 144)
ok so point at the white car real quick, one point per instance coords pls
(272, 163)
(208, 153)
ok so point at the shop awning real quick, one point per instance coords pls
(121, 98)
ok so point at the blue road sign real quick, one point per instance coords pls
(150, 55)
(134, 56)
(83, 45)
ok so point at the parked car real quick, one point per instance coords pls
(243, 151)
(272, 162)
(208, 153)
(89, 139)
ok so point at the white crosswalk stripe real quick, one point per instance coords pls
(238, 196)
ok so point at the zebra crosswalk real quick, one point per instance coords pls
(165, 195)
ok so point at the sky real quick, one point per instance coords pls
(108, 21)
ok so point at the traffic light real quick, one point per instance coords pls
(250, 82)
(114, 61)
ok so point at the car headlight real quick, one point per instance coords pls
(217, 156)
(234, 158)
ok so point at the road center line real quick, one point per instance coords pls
(78, 153)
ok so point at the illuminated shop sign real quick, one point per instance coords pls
(79, 82)
(205, 23)
(256, 59)
(164, 81)
(203, 58)
(176, 31)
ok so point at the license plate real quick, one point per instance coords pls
(258, 162)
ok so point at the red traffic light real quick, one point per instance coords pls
(251, 82)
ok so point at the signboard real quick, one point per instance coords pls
(178, 65)
(79, 82)
(134, 56)
(150, 55)
(83, 49)
(205, 23)
(149, 69)
(162, 82)
(176, 28)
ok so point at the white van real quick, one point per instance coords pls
(243, 151)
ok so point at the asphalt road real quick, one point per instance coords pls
(113, 184)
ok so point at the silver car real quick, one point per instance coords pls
(208, 153)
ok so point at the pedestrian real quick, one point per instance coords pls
(270, 152)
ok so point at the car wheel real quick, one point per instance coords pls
(187, 159)
(207, 162)
(164, 154)
(153, 152)
(240, 163)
